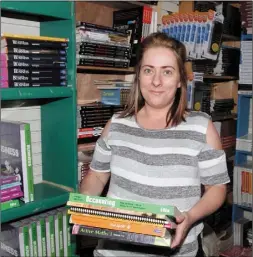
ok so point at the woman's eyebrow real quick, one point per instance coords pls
(163, 67)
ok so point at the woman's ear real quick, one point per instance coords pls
(179, 85)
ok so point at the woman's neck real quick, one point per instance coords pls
(151, 118)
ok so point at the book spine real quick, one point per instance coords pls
(10, 190)
(9, 204)
(60, 226)
(11, 185)
(33, 239)
(123, 225)
(53, 39)
(8, 180)
(41, 235)
(50, 232)
(123, 204)
(66, 235)
(29, 163)
(121, 236)
(57, 243)
(24, 241)
(11, 196)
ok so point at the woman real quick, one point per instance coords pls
(156, 151)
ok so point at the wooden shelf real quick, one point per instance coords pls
(216, 77)
(124, 4)
(109, 70)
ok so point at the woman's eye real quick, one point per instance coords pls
(147, 71)
(167, 72)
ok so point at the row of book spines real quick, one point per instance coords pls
(9, 204)
(120, 235)
(45, 235)
(118, 224)
(124, 204)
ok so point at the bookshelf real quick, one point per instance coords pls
(58, 110)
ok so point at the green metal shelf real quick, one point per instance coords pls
(46, 197)
(57, 9)
(35, 93)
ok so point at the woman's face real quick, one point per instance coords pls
(159, 77)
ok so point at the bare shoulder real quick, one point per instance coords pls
(106, 129)
(212, 136)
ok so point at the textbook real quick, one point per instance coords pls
(118, 204)
(121, 236)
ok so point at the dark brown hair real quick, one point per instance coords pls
(136, 101)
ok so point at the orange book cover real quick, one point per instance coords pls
(118, 224)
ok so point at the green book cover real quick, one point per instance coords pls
(124, 204)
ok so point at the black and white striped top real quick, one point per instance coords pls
(164, 166)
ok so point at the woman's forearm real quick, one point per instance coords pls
(212, 200)
(94, 182)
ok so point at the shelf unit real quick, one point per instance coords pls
(243, 157)
(58, 109)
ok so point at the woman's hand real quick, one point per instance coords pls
(184, 222)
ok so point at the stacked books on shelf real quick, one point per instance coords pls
(246, 63)
(243, 232)
(101, 46)
(243, 184)
(85, 153)
(122, 220)
(139, 22)
(246, 14)
(16, 164)
(200, 32)
(33, 61)
(45, 234)
(91, 119)
(113, 92)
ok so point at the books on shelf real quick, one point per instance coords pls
(91, 119)
(33, 61)
(101, 46)
(139, 22)
(242, 188)
(42, 235)
(123, 220)
(16, 162)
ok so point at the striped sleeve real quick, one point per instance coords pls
(212, 166)
(102, 156)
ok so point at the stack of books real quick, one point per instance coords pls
(91, 119)
(122, 220)
(16, 164)
(33, 61)
(101, 46)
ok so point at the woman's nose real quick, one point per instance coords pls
(157, 79)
